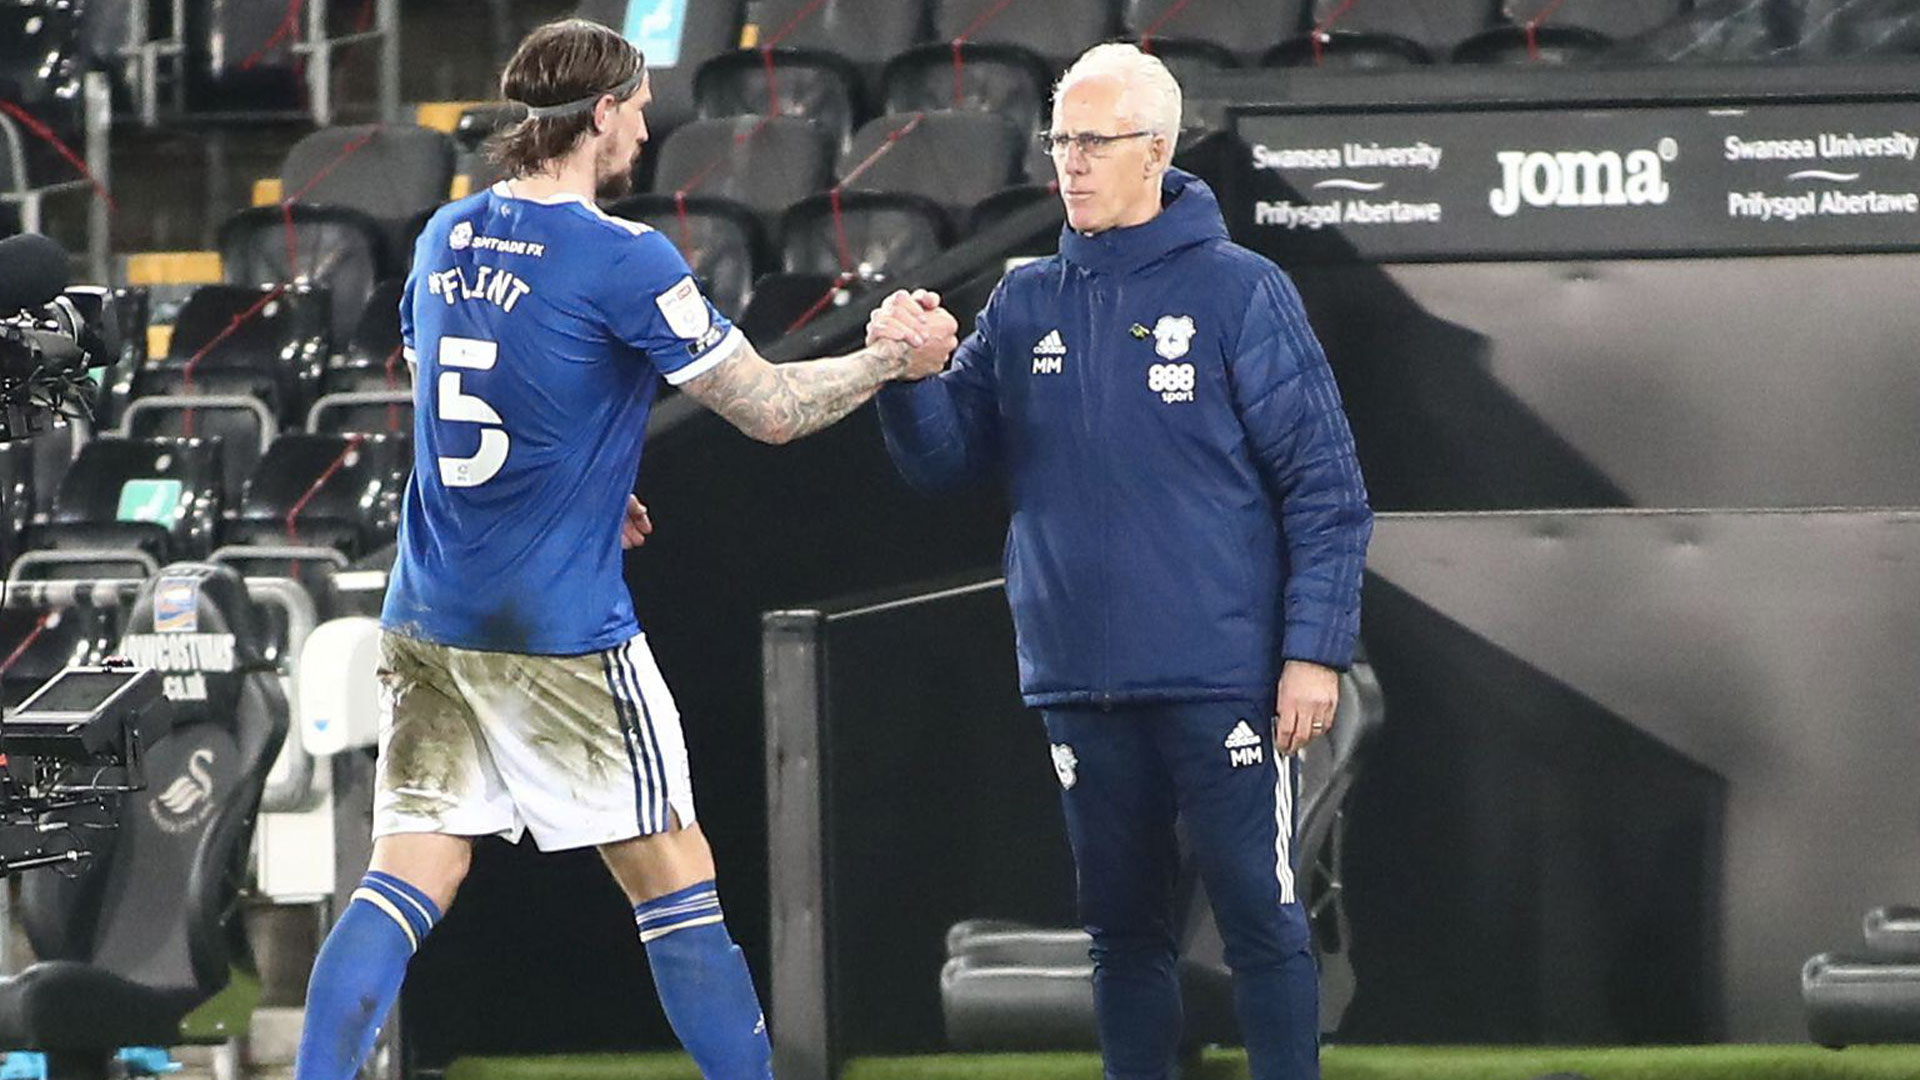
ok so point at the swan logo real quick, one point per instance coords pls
(187, 801)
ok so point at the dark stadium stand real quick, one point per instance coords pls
(1009, 80)
(343, 249)
(270, 342)
(130, 942)
(337, 491)
(953, 158)
(814, 85)
(722, 241)
(395, 173)
(1056, 29)
(1435, 25)
(870, 235)
(767, 163)
(240, 426)
(1243, 28)
(1344, 49)
(171, 511)
(1534, 45)
(864, 31)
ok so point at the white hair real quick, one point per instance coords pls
(1149, 97)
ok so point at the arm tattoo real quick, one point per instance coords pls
(778, 403)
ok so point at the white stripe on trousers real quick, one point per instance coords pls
(1283, 820)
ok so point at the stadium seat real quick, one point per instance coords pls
(866, 32)
(1004, 79)
(767, 163)
(1347, 50)
(1435, 25)
(721, 240)
(809, 84)
(373, 358)
(1615, 19)
(365, 412)
(871, 236)
(783, 303)
(342, 249)
(1533, 45)
(337, 491)
(1243, 28)
(1190, 60)
(131, 941)
(158, 496)
(953, 158)
(268, 342)
(393, 173)
(37, 645)
(1056, 29)
(239, 425)
(1001, 205)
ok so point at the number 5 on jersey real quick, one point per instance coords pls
(472, 354)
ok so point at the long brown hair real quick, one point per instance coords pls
(560, 62)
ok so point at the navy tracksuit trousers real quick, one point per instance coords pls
(1125, 774)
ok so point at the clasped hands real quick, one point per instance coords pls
(915, 319)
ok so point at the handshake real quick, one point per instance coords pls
(914, 324)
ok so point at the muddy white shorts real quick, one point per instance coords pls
(579, 750)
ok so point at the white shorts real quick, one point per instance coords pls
(578, 750)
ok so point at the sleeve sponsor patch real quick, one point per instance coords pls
(684, 309)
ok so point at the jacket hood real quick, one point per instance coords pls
(1189, 215)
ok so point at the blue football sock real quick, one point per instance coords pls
(704, 985)
(357, 975)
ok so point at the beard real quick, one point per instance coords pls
(613, 178)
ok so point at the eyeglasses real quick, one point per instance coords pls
(1089, 143)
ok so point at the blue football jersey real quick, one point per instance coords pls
(539, 330)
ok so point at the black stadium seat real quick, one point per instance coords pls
(767, 163)
(783, 303)
(1616, 19)
(131, 941)
(394, 173)
(1245, 28)
(809, 84)
(1188, 60)
(953, 158)
(864, 31)
(337, 491)
(1056, 29)
(1435, 25)
(236, 339)
(1533, 45)
(1002, 205)
(721, 240)
(345, 250)
(1003, 79)
(240, 426)
(873, 236)
(160, 496)
(1341, 49)
(707, 29)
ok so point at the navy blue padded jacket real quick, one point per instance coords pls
(1187, 509)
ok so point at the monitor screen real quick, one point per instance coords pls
(81, 691)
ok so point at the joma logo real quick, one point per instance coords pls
(1570, 178)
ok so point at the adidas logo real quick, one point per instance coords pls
(1244, 747)
(1048, 354)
